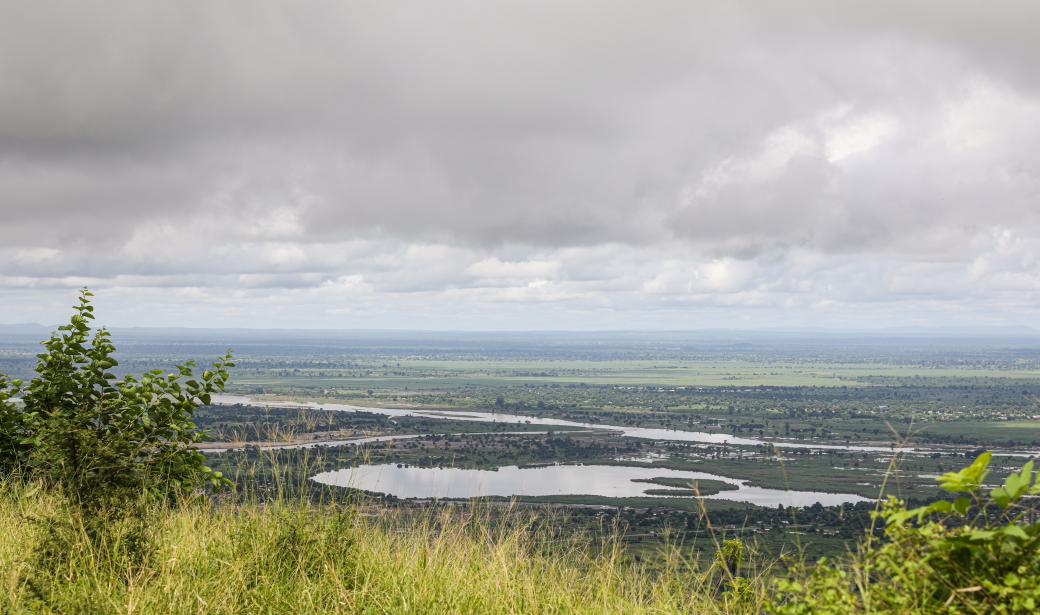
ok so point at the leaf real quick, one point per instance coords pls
(1016, 484)
(968, 479)
(1015, 532)
(1001, 496)
(979, 535)
(938, 506)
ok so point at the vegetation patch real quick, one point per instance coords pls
(685, 487)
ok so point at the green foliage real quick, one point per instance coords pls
(100, 438)
(290, 557)
(730, 555)
(977, 553)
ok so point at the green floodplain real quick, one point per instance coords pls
(942, 399)
(660, 457)
(407, 373)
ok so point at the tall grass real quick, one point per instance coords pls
(290, 556)
(282, 545)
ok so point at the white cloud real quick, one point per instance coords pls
(36, 256)
(542, 164)
(495, 269)
(858, 134)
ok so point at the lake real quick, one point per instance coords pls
(601, 480)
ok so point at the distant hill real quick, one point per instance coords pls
(734, 336)
(25, 330)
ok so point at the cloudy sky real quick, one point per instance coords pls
(512, 165)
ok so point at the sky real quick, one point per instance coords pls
(521, 164)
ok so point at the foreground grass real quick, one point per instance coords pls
(976, 553)
(293, 557)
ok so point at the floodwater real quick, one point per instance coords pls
(646, 433)
(601, 480)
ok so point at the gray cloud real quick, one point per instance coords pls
(598, 161)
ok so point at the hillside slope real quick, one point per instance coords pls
(290, 558)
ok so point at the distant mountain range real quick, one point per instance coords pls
(25, 329)
(741, 335)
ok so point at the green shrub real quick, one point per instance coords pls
(977, 553)
(101, 439)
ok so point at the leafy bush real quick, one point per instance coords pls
(977, 553)
(103, 439)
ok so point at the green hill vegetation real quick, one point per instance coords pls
(107, 508)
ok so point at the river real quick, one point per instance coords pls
(646, 433)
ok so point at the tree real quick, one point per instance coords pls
(99, 438)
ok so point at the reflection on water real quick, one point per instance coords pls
(609, 481)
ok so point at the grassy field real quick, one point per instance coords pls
(294, 558)
(406, 373)
(1021, 430)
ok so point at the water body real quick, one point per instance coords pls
(608, 481)
(646, 433)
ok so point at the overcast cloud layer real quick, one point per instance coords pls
(480, 165)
